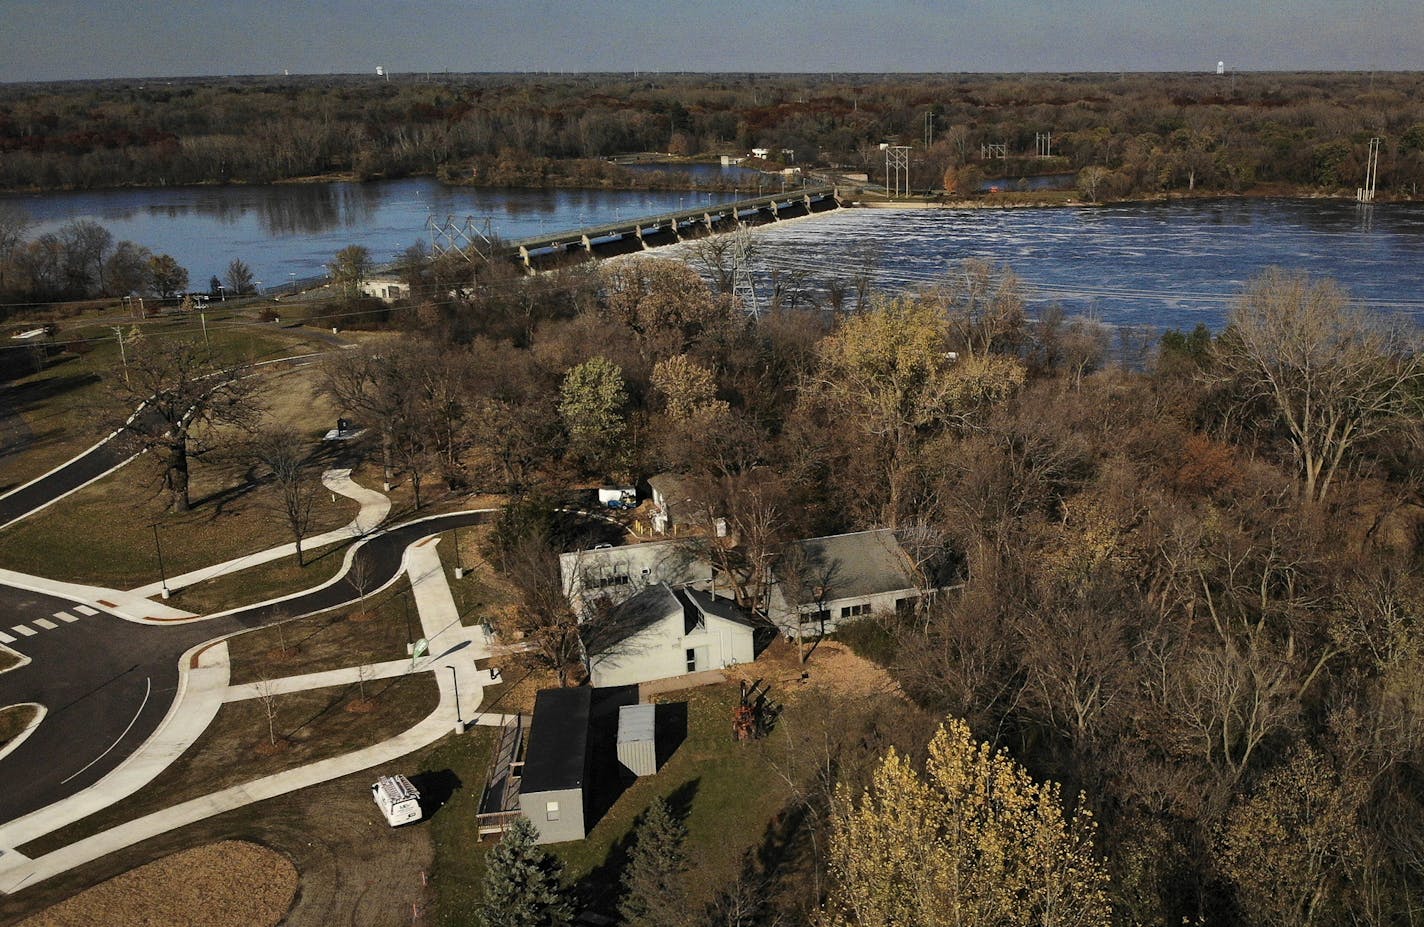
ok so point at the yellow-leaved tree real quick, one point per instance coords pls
(974, 842)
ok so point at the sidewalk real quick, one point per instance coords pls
(374, 509)
(454, 650)
(200, 695)
(126, 605)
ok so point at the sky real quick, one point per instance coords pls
(84, 39)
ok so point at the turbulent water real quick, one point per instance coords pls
(1161, 265)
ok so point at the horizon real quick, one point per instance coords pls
(50, 41)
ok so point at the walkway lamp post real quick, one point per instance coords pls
(158, 546)
(459, 570)
(410, 641)
(459, 720)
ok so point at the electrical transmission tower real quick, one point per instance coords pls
(461, 236)
(897, 170)
(987, 152)
(1043, 144)
(743, 286)
(1366, 194)
(929, 130)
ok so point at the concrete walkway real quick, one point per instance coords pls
(454, 650)
(200, 695)
(374, 509)
(126, 605)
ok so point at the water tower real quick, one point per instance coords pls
(1221, 67)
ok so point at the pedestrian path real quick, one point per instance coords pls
(126, 605)
(45, 624)
(374, 509)
(453, 651)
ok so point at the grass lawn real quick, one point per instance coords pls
(235, 748)
(13, 720)
(260, 583)
(64, 404)
(459, 856)
(329, 640)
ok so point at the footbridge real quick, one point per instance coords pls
(669, 228)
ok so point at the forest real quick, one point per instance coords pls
(1152, 134)
(1186, 590)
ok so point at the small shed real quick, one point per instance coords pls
(551, 792)
(637, 739)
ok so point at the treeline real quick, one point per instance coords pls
(1152, 133)
(1188, 591)
(81, 260)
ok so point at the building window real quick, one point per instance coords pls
(855, 611)
(551, 810)
(691, 660)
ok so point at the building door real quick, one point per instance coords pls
(697, 659)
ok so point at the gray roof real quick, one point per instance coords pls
(639, 613)
(720, 608)
(636, 722)
(859, 564)
(558, 741)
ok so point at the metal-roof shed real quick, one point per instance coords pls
(637, 739)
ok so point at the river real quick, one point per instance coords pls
(1165, 265)
(1159, 264)
(289, 231)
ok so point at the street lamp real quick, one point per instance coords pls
(459, 570)
(157, 546)
(410, 641)
(459, 721)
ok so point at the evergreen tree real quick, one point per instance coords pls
(653, 888)
(523, 884)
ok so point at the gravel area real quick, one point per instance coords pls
(229, 884)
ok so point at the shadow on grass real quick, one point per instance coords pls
(600, 890)
(669, 729)
(436, 789)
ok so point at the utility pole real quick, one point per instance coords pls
(203, 317)
(897, 170)
(1366, 194)
(123, 355)
(929, 129)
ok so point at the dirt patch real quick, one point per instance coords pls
(832, 667)
(8, 659)
(228, 884)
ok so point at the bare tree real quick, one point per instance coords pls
(1333, 374)
(283, 452)
(360, 578)
(184, 390)
(267, 697)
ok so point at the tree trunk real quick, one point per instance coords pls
(388, 466)
(175, 478)
(300, 561)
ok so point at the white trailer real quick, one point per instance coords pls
(397, 799)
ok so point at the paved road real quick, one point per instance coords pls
(108, 683)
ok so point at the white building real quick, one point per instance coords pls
(608, 576)
(385, 287)
(663, 632)
(841, 578)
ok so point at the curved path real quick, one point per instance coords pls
(120, 677)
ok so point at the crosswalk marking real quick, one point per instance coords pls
(66, 616)
(86, 610)
(46, 624)
(6, 639)
(24, 629)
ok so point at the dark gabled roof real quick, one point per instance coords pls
(721, 608)
(639, 613)
(558, 741)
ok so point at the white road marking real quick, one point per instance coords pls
(147, 688)
(66, 617)
(46, 624)
(6, 639)
(25, 630)
(86, 610)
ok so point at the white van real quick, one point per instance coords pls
(397, 799)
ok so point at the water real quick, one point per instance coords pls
(1162, 265)
(289, 231)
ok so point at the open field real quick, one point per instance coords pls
(228, 884)
(235, 748)
(66, 408)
